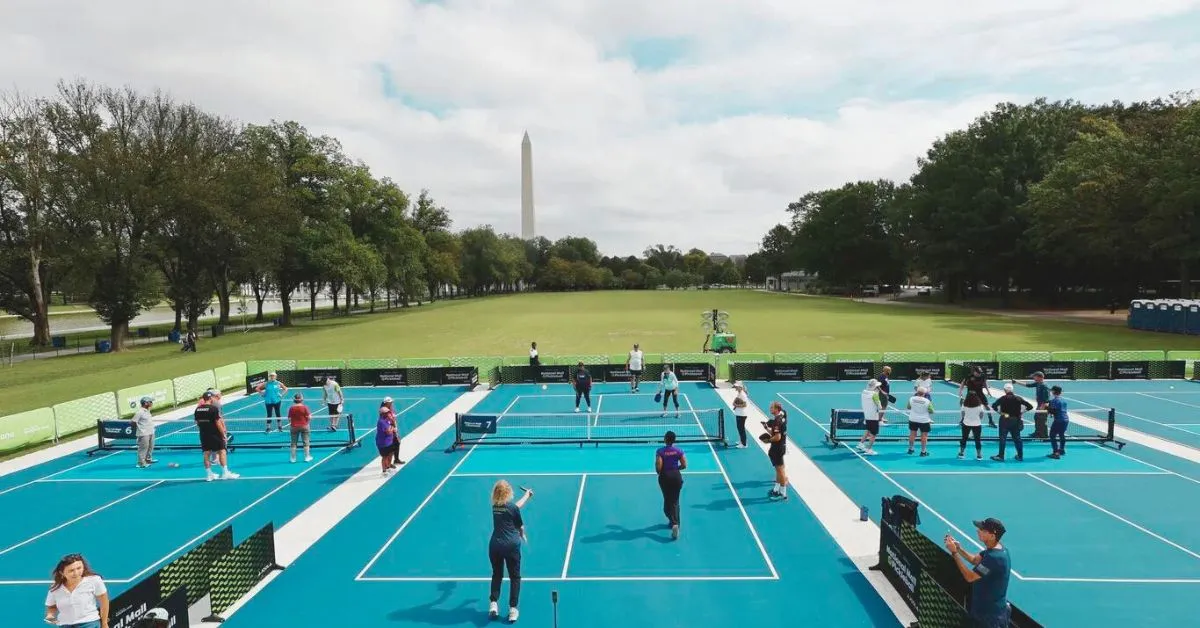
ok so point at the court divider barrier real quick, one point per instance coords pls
(44, 425)
(924, 573)
(215, 571)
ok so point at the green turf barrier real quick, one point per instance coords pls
(516, 360)
(910, 356)
(373, 363)
(855, 357)
(259, 366)
(81, 414)
(793, 358)
(1189, 358)
(966, 356)
(685, 358)
(1136, 356)
(26, 428)
(229, 376)
(1078, 356)
(572, 359)
(1023, 356)
(488, 365)
(189, 387)
(407, 362)
(320, 364)
(163, 394)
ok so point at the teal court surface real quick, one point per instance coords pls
(1102, 537)
(415, 552)
(129, 522)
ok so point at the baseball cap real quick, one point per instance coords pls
(992, 525)
(208, 394)
(157, 613)
(873, 384)
(146, 400)
(387, 399)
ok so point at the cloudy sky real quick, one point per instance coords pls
(690, 123)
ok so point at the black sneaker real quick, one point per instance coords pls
(925, 454)
(1020, 458)
(998, 458)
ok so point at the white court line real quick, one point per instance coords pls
(573, 579)
(545, 427)
(968, 537)
(472, 474)
(753, 531)
(196, 479)
(597, 396)
(1182, 403)
(79, 518)
(428, 498)
(1117, 580)
(599, 400)
(1116, 516)
(1029, 473)
(574, 525)
(1134, 416)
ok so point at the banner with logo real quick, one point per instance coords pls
(163, 394)
(862, 371)
(691, 371)
(1130, 370)
(459, 376)
(477, 423)
(557, 374)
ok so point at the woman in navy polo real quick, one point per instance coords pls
(504, 549)
(669, 463)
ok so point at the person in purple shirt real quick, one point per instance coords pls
(385, 441)
(669, 462)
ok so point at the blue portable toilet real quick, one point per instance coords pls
(1179, 311)
(1193, 318)
(1137, 314)
(1150, 316)
(1164, 316)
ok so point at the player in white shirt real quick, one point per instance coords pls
(973, 409)
(872, 408)
(78, 596)
(923, 381)
(331, 393)
(635, 363)
(920, 419)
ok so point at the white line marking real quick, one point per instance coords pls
(47, 582)
(428, 498)
(598, 395)
(1028, 473)
(79, 518)
(1134, 416)
(1116, 516)
(575, 579)
(753, 532)
(1117, 580)
(1188, 405)
(599, 400)
(574, 525)
(475, 474)
(99, 480)
(968, 537)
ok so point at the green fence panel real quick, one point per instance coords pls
(1122, 356)
(1078, 356)
(81, 414)
(909, 356)
(569, 359)
(163, 394)
(26, 428)
(320, 364)
(516, 360)
(1022, 356)
(373, 363)
(418, 362)
(683, 358)
(481, 362)
(189, 387)
(855, 357)
(229, 377)
(792, 358)
(259, 366)
(966, 356)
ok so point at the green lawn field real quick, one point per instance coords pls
(578, 323)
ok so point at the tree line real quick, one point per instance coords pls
(124, 199)
(1048, 198)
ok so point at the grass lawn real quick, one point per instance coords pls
(573, 323)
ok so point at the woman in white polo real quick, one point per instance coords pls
(635, 365)
(920, 419)
(78, 597)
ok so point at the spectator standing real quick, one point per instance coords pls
(988, 574)
(78, 597)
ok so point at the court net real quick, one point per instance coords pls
(249, 433)
(690, 426)
(1091, 424)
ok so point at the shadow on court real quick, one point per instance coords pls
(467, 612)
(658, 532)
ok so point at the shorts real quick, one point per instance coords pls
(873, 428)
(333, 408)
(388, 450)
(635, 372)
(913, 426)
(212, 442)
(775, 453)
(301, 433)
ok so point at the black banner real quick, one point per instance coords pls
(253, 381)
(477, 423)
(118, 430)
(235, 573)
(821, 371)
(912, 370)
(781, 372)
(1134, 369)
(616, 373)
(900, 565)
(1052, 370)
(691, 371)
(554, 374)
(991, 370)
(460, 376)
(385, 377)
(315, 378)
(854, 370)
(126, 609)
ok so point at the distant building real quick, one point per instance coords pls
(792, 281)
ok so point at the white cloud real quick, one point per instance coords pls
(767, 100)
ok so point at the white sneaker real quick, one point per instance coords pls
(293, 458)
(210, 476)
(675, 532)
(493, 610)
(513, 615)
(577, 409)
(861, 447)
(308, 458)
(230, 475)
(870, 452)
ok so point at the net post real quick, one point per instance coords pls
(721, 426)
(99, 434)
(457, 433)
(832, 437)
(1112, 424)
(350, 430)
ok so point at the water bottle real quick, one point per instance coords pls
(862, 513)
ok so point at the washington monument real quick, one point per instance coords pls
(527, 228)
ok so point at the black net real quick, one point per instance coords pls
(621, 427)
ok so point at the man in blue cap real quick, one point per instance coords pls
(988, 574)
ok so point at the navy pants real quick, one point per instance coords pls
(509, 557)
(1058, 436)
(1011, 428)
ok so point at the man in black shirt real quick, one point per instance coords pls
(211, 426)
(1010, 407)
(583, 387)
(976, 382)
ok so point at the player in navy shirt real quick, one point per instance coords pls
(1042, 399)
(1058, 428)
(583, 387)
(669, 462)
(988, 575)
(504, 549)
(776, 438)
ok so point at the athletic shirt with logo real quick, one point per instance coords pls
(333, 395)
(920, 410)
(871, 405)
(635, 360)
